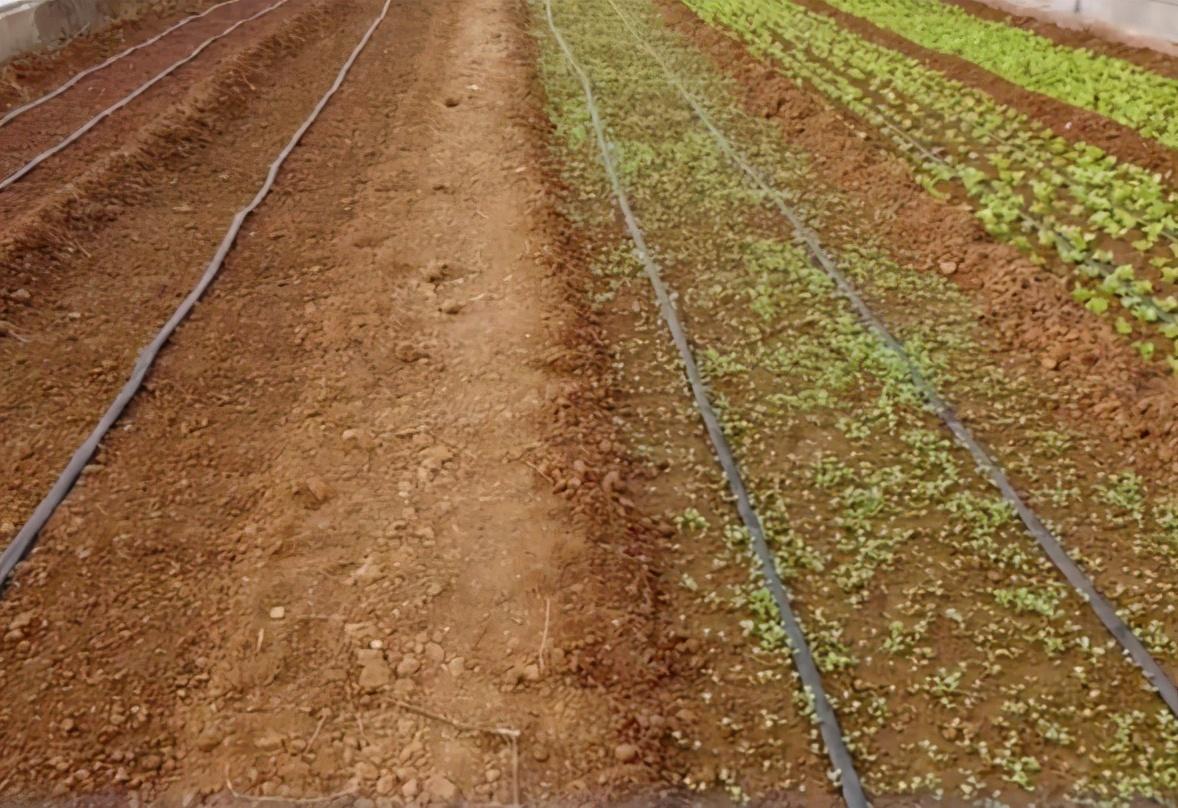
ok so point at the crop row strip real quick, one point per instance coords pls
(1069, 180)
(840, 756)
(1131, 95)
(824, 41)
(1047, 540)
(25, 538)
(115, 107)
(1063, 242)
(1143, 305)
(13, 114)
(941, 119)
(1048, 228)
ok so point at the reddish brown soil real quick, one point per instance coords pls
(1067, 121)
(42, 127)
(137, 227)
(1107, 389)
(366, 475)
(373, 500)
(35, 73)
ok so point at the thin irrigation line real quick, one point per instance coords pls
(947, 118)
(1046, 539)
(836, 747)
(18, 111)
(886, 113)
(115, 107)
(1061, 240)
(24, 539)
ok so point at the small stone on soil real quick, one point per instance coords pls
(441, 788)
(319, 489)
(408, 666)
(269, 740)
(22, 620)
(374, 670)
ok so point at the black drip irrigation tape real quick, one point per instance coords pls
(23, 542)
(832, 736)
(1061, 240)
(115, 107)
(1047, 540)
(13, 114)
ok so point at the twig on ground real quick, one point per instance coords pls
(502, 732)
(536, 469)
(284, 800)
(544, 636)
(482, 633)
(315, 734)
(6, 331)
(456, 447)
(359, 721)
(510, 735)
(515, 772)
(360, 724)
(80, 248)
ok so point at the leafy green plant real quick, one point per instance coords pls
(1050, 197)
(1139, 98)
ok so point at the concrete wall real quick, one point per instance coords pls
(26, 25)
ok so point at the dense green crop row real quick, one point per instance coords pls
(1114, 222)
(1139, 98)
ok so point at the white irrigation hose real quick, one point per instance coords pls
(12, 114)
(115, 107)
(24, 539)
(828, 725)
(1047, 540)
